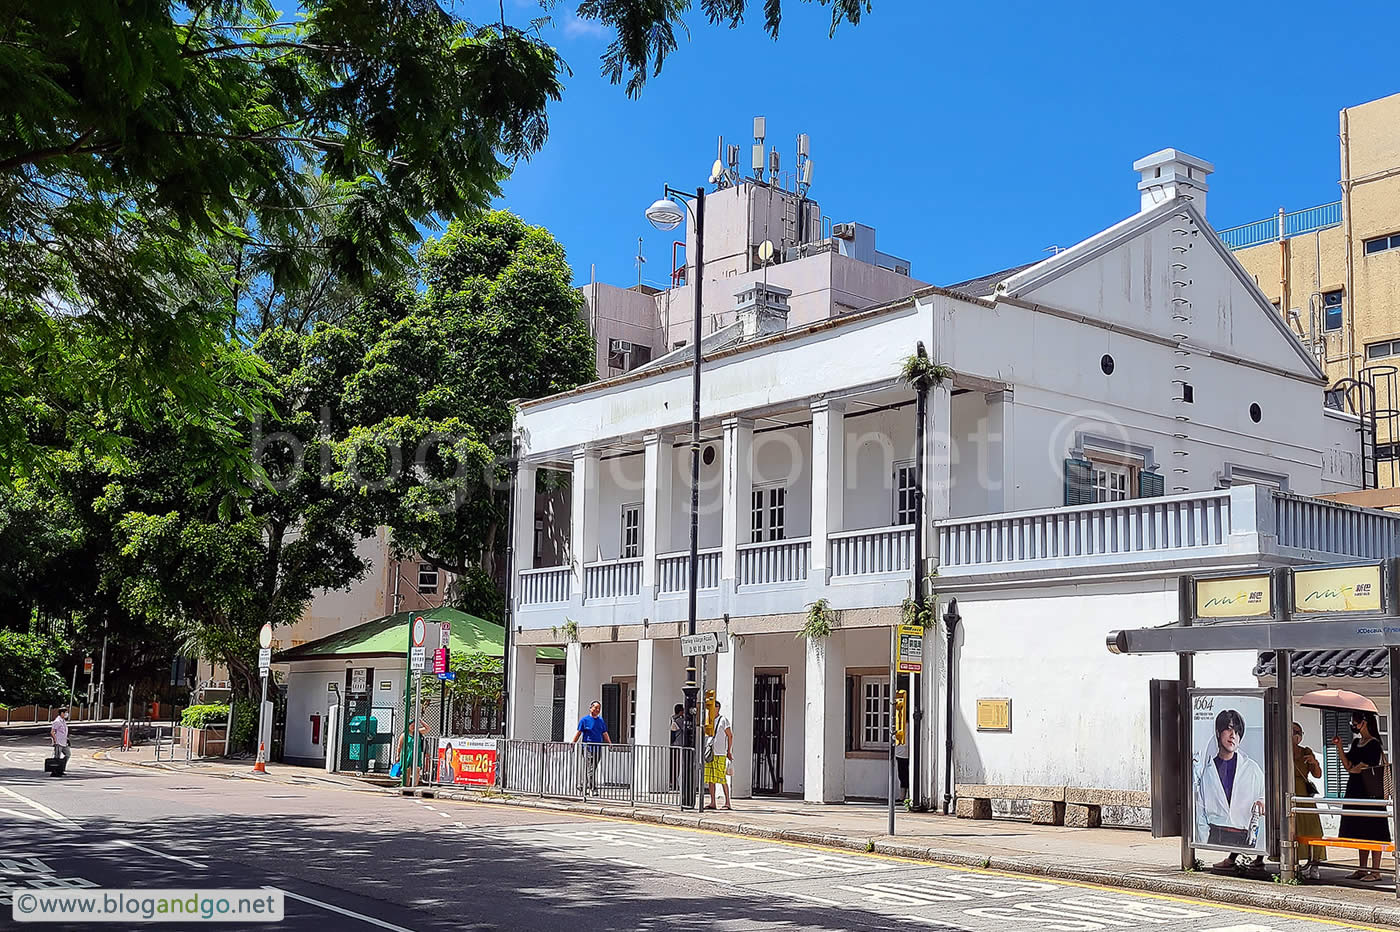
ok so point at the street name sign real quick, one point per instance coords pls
(695, 645)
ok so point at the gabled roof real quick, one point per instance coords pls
(1023, 283)
(984, 286)
(388, 637)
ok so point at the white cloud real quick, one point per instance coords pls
(577, 28)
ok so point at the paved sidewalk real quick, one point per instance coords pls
(1111, 857)
(144, 755)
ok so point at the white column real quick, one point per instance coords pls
(738, 489)
(523, 539)
(583, 514)
(828, 480)
(520, 712)
(657, 505)
(573, 687)
(824, 765)
(734, 690)
(651, 727)
(998, 467)
(937, 468)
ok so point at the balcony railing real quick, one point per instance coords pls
(1087, 531)
(1308, 525)
(1308, 220)
(774, 561)
(612, 579)
(673, 571)
(872, 551)
(545, 586)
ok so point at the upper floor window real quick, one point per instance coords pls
(905, 503)
(1382, 243)
(1096, 477)
(631, 531)
(768, 514)
(427, 578)
(1383, 349)
(1332, 310)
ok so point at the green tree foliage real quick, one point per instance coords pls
(29, 668)
(143, 145)
(498, 319)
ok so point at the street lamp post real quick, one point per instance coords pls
(666, 214)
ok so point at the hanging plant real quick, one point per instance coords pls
(820, 621)
(569, 630)
(921, 372)
(911, 613)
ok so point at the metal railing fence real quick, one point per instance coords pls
(647, 774)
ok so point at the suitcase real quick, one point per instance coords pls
(54, 766)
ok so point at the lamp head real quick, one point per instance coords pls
(665, 214)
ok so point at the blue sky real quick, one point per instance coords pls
(971, 136)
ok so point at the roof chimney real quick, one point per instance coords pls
(1172, 173)
(761, 310)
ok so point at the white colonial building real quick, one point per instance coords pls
(1131, 409)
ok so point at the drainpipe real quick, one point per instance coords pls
(1283, 302)
(916, 769)
(950, 622)
(1346, 227)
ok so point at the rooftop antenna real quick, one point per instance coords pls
(717, 173)
(773, 166)
(760, 129)
(804, 164)
(641, 261)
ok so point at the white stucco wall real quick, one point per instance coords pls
(307, 694)
(1078, 713)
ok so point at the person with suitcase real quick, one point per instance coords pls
(58, 733)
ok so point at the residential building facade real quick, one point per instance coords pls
(1333, 271)
(1120, 413)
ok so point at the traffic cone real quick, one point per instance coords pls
(261, 765)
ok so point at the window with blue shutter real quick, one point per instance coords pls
(1150, 485)
(1079, 482)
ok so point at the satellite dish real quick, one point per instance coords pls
(716, 172)
(765, 251)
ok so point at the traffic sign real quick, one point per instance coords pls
(449, 676)
(911, 649)
(446, 639)
(265, 636)
(87, 666)
(264, 660)
(418, 659)
(420, 631)
(694, 645)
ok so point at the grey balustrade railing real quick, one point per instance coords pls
(612, 579)
(871, 551)
(1129, 527)
(774, 561)
(1314, 526)
(546, 585)
(673, 571)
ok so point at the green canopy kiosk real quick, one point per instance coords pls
(1205, 748)
(362, 671)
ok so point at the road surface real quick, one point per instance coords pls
(349, 859)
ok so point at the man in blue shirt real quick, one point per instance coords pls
(594, 731)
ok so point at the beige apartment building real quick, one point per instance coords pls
(1334, 271)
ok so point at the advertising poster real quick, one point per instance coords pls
(467, 761)
(1229, 760)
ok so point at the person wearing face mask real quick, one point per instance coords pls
(1364, 763)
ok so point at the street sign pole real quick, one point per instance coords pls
(894, 684)
(265, 668)
(700, 741)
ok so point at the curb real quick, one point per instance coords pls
(1207, 887)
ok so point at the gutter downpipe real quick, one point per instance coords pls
(950, 622)
(1346, 226)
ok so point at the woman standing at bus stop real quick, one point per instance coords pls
(1364, 761)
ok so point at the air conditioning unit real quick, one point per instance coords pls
(619, 346)
(843, 230)
(619, 354)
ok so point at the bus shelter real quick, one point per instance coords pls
(1345, 606)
